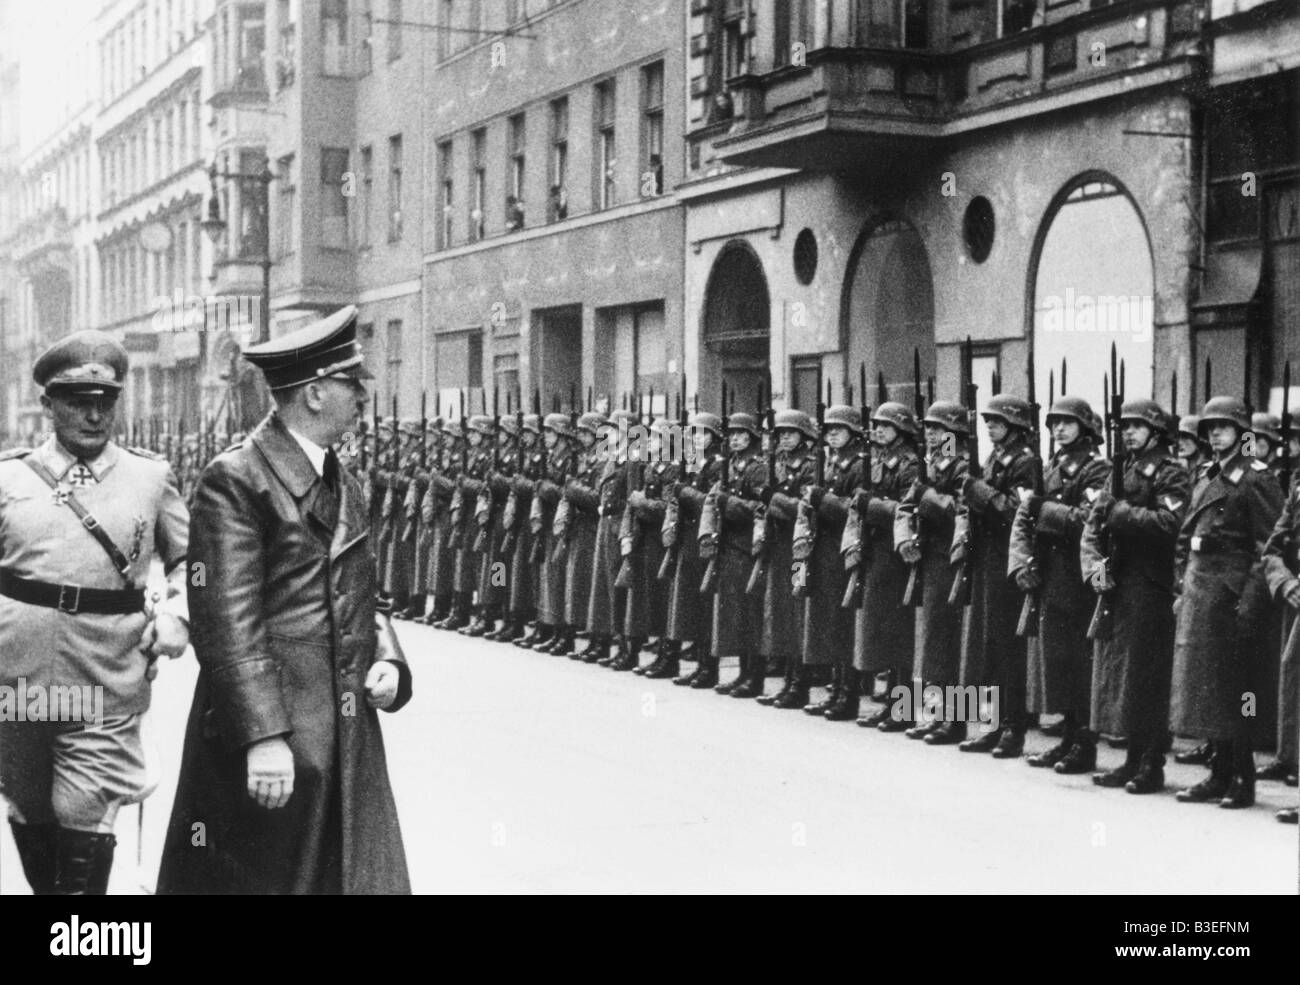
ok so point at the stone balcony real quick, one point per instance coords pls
(858, 108)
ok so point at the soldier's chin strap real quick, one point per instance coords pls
(87, 519)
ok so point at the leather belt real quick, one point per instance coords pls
(71, 599)
(1211, 544)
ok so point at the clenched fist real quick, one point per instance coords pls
(270, 772)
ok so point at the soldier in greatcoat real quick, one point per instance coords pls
(689, 615)
(552, 634)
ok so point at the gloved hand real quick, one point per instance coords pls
(1027, 580)
(910, 551)
(1100, 580)
(1102, 506)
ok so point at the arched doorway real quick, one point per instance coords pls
(888, 311)
(737, 324)
(1092, 284)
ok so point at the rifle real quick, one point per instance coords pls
(711, 570)
(1284, 455)
(853, 590)
(1099, 628)
(913, 594)
(668, 566)
(758, 573)
(1027, 626)
(961, 585)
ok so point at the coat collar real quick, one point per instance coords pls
(60, 461)
(288, 461)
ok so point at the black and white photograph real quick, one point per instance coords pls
(652, 447)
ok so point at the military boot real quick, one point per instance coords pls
(1214, 786)
(847, 701)
(458, 615)
(1050, 757)
(688, 680)
(654, 664)
(1200, 756)
(613, 652)
(1278, 769)
(670, 666)
(923, 729)
(1241, 790)
(753, 686)
(984, 742)
(1082, 757)
(82, 862)
(708, 674)
(630, 657)
(741, 675)
(441, 609)
(483, 623)
(36, 850)
(1150, 776)
(1288, 815)
(1126, 771)
(771, 699)
(1011, 743)
(797, 696)
(597, 649)
(415, 608)
(540, 633)
(949, 734)
(566, 641)
(832, 692)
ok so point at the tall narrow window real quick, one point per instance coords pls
(394, 30)
(367, 195)
(652, 129)
(285, 239)
(477, 183)
(366, 47)
(445, 47)
(334, 203)
(334, 36)
(515, 189)
(557, 207)
(446, 195)
(395, 188)
(605, 159)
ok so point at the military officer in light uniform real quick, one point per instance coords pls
(81, 520)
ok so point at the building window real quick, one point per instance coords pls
(446, 195)
(605, 148)
(365, 53)
(334, 202)
(474, 360)
(286, 59)
(288, 190)
(1015, 16)
(334, 36)
(516, 135)
(445, 11)
(394, 30)
(367, 195)
(652, 129)
(477, 183)
(395, 188)
(394, 356)
(557, 206)
(732, 42)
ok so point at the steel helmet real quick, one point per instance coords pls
(632, 417)
(559, 423)
(482, 424)
(1146, 412)
(1014, 411)
(533, 423)
(795, 420)
(453, 428)
(510, 425)
(1219, 409)
(1269, 425)
(898, 416)
(591, 421)
(434, 424)
(949, 415)
(707, 421)
(1190, 425)
(844, 416)
(743, 422)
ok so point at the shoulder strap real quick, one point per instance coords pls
(87, 519)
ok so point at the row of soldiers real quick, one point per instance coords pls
(868, 545)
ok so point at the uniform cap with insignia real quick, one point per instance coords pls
(88, 361)
(327, 347)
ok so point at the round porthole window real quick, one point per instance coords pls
(805, 256)
(977, 228)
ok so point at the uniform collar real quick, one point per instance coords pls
(314, 452)
(288, 459)
(60, 461)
